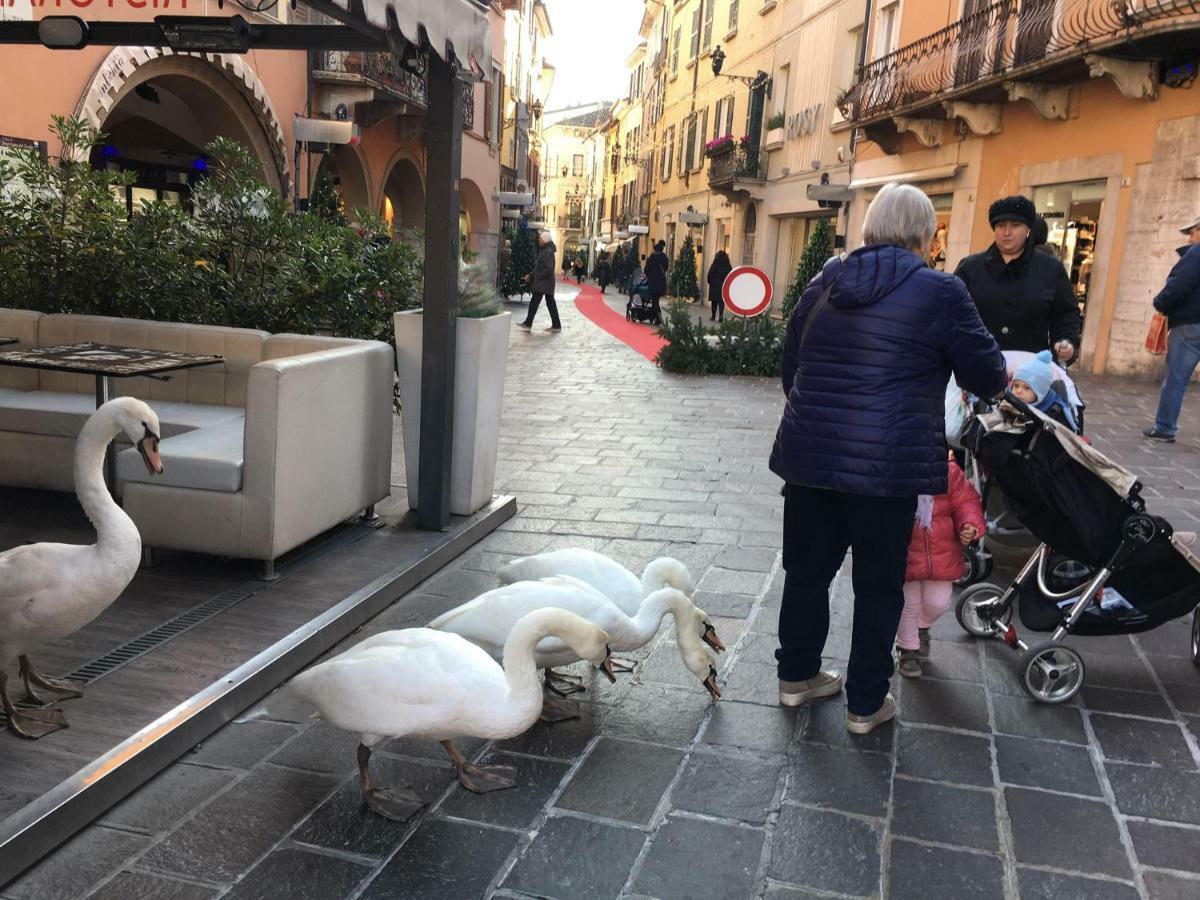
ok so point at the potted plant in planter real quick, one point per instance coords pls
(749, 161)
(480, 353)
(775, 132)
(720, 146)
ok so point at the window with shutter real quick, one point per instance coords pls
(675, 52)
(729, 114)
(690, 154)
(709, 9)
(695, 34)
(718, 118)
(733, 15)
(701, 131)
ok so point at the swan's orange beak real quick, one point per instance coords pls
(148, 447)
(710, 637)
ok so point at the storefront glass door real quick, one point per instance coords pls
(1072, 214)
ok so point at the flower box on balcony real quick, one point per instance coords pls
(774, 139)
(720, 146)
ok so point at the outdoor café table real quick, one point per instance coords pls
(106, 362)
(7, 340)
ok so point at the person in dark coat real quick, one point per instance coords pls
(541, 284)
(656, 278)
(1024, 297)
(868, 354)
(580, 270)
(1179, 301)
(566, 268)
(718, 271)
(603, 272)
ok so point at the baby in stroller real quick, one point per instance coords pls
(1034, 383)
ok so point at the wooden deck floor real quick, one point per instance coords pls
(115, 706)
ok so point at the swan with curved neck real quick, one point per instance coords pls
(489, 618)
(613, 580)
(49, 591)
(424, 683)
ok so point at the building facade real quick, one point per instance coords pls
(573, 178)
(1089, 108)
(160, 109)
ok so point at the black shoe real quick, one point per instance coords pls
(1155, 435)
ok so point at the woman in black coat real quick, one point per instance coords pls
(1024, 297)
(718, 271)
(656, 277)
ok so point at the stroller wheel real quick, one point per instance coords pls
(977, 565)
(1052, 673)
(1196, 637)
(979, 612)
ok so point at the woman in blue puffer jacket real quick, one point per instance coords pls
(869, 351)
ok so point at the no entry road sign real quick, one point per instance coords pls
(747, 291)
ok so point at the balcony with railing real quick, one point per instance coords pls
(1043, 42)
(571, 223)
(380, 70)
(508, 178)
(737, 170)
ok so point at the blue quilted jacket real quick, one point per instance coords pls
(865, 394)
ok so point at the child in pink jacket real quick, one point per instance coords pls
(943, 526)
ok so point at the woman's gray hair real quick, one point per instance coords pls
(545, 236)
(900, 215)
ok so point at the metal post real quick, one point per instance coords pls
(443, 142)
(103, 393)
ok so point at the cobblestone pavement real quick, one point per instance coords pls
(976, 792)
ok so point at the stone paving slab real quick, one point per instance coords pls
(657, 792)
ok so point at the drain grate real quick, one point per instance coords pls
(126, 653)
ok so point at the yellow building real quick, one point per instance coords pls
(573, 177)
(1086, 106)
(750, 199)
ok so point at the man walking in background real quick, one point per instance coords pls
(541, 284)
(1179, 301)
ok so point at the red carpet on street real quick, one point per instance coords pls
(642, 338)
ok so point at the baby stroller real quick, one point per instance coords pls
(640, 308)
(1135, 574)
(1003, 527)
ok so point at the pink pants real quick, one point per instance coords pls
(924, 603)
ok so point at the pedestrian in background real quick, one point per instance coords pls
(1024, 297)
(541, 284)
(656, 278)
(1179, 301)
(869, 351)
(944, 524)
(566, 267)
(718, 271)
(603, 271)
(580, 270)
(502, 259)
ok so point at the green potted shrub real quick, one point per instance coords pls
(775, 131)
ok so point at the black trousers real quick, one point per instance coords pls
(718, 307)
(818, 527)
(654, 298)
(535, 301)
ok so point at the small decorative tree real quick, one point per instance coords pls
(816, 253)
(520, 263)
(682, 284)
(325, 201)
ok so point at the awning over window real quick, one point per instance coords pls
(937, 173)
(455, 28)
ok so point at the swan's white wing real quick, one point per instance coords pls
(28, 570)
(601, 572)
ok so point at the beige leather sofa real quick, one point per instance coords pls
(290, 436)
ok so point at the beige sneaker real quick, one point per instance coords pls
(867, 724)
(797, 693)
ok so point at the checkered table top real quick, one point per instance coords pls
(90, 358)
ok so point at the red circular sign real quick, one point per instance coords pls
(747, 291)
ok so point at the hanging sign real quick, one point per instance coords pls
(747, 291)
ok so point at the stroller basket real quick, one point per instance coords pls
(1135, 575)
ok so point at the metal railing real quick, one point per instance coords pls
(574, 223)
(468, 90)
(741, 165)
(381, 70)
(508, 179)
(996, 41)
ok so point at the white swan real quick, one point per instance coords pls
(612, 579)
(49, 591)
(488, 619)
(431, 684)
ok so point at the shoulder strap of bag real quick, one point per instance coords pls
(812, 313)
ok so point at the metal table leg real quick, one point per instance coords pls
(103, 391)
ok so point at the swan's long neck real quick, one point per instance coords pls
(656, 605)
(520, 670)
(114, 529)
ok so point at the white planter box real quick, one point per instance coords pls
(481, 351)
(774, 139)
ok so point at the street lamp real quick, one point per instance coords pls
(760, 88)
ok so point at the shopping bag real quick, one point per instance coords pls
(1156, 337)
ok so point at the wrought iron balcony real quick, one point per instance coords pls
(377, 69)
(1042, 40)
(508, 179)
(725, 169)
(572, 223)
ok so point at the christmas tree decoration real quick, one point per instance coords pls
(816, 253)
(325, 200)
(682, 284)
(520, 262)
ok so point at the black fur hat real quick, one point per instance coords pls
(1013, 209)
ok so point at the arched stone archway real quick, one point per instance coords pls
(156, 96)
(403, 203)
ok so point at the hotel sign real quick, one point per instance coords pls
(804, 122)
